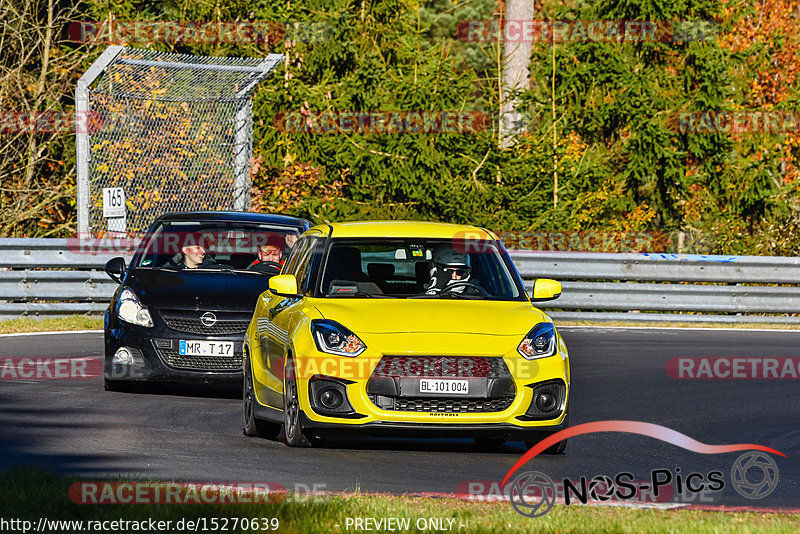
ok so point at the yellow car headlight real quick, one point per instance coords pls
(539, 343)
(333, 338)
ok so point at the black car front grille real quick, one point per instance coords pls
(194, 326)
(226, 322)
(172, 358)
(446, 405)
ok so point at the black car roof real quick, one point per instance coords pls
(240, 216)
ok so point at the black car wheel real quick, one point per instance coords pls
(292, 427)
(252, 426)
(114, 385)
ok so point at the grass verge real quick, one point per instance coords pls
(30, 494)
(74, 322)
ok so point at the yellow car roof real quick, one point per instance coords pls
(417, 229)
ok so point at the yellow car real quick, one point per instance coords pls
(405, 329)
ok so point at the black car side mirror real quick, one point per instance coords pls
(115, 269)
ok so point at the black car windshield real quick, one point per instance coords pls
(217, 245)
(418, 268)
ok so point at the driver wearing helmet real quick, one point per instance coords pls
(449, 267)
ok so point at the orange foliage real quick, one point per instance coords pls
(774, 22)
(283, 191)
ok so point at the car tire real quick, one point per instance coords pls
(254, 427)
(117, 385)
(292, 426)
(558, 448)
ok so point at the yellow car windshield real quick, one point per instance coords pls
(418, 268)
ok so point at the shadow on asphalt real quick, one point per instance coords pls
(20, 443)
(456, 445)
(181, 390)
(424, 445)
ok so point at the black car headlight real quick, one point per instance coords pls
(333, 338)
(131, 310)
(539, 343)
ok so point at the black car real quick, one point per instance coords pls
(187, 298)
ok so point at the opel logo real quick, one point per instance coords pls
(208, 319)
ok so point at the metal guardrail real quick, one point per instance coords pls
(59, 253)
(50, 277)
(625, 296)
(92, 286)
(624, 285)
(657, 267)
(35, 282)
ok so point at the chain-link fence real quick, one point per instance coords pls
(169, 132)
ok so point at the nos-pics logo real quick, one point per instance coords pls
(754, 474)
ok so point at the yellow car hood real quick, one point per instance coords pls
(385, 316)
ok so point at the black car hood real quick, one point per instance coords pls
(197, 290)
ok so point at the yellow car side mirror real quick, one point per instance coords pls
(545, 289)
(284, 285)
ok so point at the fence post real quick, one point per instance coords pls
(82, 136)
(243, 147)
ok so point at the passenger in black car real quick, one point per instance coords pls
(194, 257)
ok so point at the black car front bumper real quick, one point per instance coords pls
(156, 357)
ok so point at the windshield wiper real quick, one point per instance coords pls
(363, 294)
(445, 295)
(229, 270)
(462, 296)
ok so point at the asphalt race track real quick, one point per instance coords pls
(74, 426)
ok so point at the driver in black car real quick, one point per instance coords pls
(449, 268)
(270, 257)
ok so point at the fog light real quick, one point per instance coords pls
(123, 356)
(331, 398)
(546, 401)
